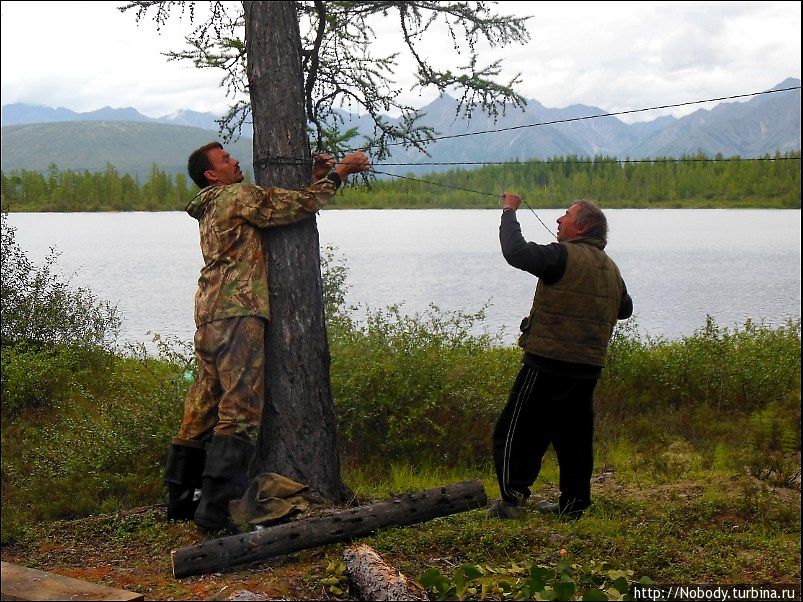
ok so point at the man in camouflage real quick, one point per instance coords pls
(578, 299)
(222, 410)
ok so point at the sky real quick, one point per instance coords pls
(613, 55)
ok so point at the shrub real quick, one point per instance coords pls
(773, 437)
(79, 419)
(729, 370)
(35, 377)
(51, 334)
(37, 307)
(419, 387)
(422, 388)
(101, 450)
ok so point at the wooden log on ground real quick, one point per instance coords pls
(22, 583)
(339, 525)
(375, 579)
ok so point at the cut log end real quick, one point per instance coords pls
(375, 579)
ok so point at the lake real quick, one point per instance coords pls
(679, 264)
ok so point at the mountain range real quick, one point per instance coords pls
(34, 136)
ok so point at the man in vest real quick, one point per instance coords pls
(579, 297)
(222, 410)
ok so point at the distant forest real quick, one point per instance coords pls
(695, 181)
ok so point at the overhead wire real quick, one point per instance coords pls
(496, 196)
(612, 114)
(299, 161)
(594, 161)
(293, 160)
(597, 160)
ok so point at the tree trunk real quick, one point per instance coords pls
(338, 525)
(297, 434)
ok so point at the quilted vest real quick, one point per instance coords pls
(573, 319)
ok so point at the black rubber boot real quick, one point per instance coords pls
(183, 471)
(225, 478)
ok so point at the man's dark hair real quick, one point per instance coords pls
(199, 162)
(593, 219)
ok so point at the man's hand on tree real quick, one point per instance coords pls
(352, 163)
(323, 164)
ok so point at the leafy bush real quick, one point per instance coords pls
(563, 581)
(101, 445)
(84, 427)
(37, 307)
(422, 388)
(35, 376)
(729, 370)
(419, 387)
(773, 437)
(51, 334)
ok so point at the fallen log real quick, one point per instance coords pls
(338, 525)
(375, 579)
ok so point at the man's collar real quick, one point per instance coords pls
(588, 240)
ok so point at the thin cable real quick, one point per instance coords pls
(295, 160)
(282, 161)
(539, 219)
(299, 161)
(593, 161)
(384, 173)
(496, 196)
(555, 161)
(530, 125)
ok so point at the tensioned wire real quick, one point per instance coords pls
(496, 196)
(530, 125)
(285, 160)
(299, 160)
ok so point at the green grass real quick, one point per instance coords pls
(702, 527)
(697, 448)
(404, 399)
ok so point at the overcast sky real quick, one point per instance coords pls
(612, 55)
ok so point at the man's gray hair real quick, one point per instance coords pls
(593, 219)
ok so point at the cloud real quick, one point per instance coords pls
(616, 55)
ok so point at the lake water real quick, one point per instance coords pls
(679, 264)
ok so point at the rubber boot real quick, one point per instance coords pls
(225, 478)
(183, 471)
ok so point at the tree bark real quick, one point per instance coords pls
(339, 525)
(297, 435)
(375, 579)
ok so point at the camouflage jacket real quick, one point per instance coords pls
(234, 279)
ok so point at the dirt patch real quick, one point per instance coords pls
(112, 551)
(132, 550)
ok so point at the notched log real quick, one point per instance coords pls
(338, 525)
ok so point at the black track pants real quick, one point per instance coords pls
(542, 409)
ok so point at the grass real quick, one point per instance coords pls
(689, 492)
(697, 456)
(702, 527)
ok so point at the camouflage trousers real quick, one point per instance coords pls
(227, 396)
